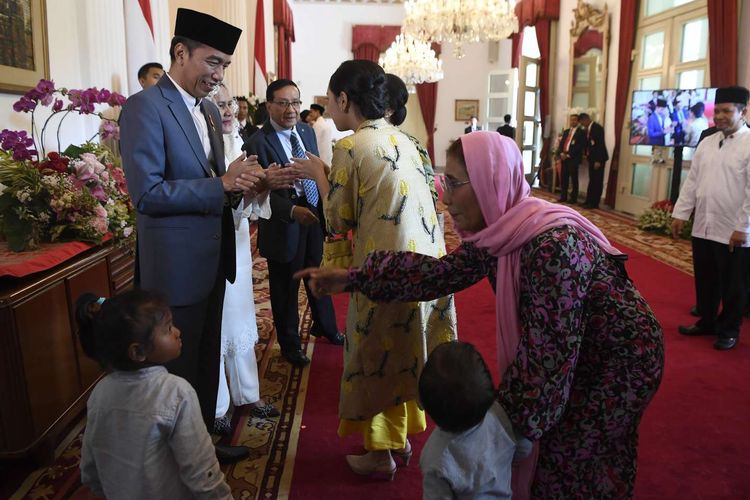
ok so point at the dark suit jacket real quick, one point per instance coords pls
(182, 220)
(507, 131)
(278, 237)
(468, 129)
(596, 148)
(577, 145)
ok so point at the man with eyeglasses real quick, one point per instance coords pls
(292, 239)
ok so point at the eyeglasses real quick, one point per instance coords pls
(286, 104)
(449, 185)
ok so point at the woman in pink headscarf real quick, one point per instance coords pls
(580, 352)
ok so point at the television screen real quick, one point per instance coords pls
(671, 117)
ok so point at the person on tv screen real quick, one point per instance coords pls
(697, 123)
(659, 124)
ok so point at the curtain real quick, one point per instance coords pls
(367, 51)
(722, 41)
(628, 26)
(516, 44)
(369, 41)
(427, 94)
(543, 28)
(283, 19)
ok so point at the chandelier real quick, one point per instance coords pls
(459, 21)
(412, 61)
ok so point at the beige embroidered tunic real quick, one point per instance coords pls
(380, 191)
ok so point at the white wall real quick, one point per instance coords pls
(324, 40)
(743, 55)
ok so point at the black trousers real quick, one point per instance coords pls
(284, 292)
(721, 279)
(569, 174)
(200, 325)
(596, 183)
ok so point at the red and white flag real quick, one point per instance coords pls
(139, 39)
(260, 81)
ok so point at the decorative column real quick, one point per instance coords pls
(238, 75)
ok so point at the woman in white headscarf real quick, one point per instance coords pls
(239, 331)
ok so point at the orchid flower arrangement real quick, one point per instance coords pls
(75, 195)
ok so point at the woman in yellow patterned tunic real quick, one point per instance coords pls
(378, 188)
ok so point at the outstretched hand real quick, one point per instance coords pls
(324, 280)
(311, 167)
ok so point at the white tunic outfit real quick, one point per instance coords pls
(239, 330)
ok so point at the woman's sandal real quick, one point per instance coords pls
(404, 454)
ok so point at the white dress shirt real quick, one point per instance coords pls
(718, 187)
(194, 108)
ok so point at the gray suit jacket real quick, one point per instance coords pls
(182, 219)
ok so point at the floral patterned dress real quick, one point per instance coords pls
(380, 191)
(590, 355)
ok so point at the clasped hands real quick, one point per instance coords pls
(246, 175)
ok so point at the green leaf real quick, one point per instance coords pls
(16, 232)
(74, 151)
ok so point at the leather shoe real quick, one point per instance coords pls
(586, 205)
(693, 330)
(297, 358)
(337, 339)
(562, 200)
(231, 454)
(725, 343)
(694, 312)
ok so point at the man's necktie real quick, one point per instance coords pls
(311, 189)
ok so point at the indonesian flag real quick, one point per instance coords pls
(139, 39)
(260, 81)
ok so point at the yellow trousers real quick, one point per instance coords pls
(387, 430)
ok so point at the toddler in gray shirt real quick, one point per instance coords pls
(470, 454)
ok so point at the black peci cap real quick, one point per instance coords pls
(734, 94)
(317, 107)
(207, 30)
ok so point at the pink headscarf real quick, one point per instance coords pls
(495, 169)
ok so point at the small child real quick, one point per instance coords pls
(470, 454)
(145, 437)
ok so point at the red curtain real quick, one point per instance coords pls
(722, 41)
(368, 41)
(628, 26)
(427, 94)
(516, 44)
(283, 19)
(588, 40)
(543, 28)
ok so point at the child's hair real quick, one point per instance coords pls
(456, 387)
(107, 328)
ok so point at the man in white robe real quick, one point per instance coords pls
(718, 190)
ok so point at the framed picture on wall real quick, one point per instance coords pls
(24, 58)
(466, 108)
(323, 101)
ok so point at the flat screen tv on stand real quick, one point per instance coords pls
(671, 118)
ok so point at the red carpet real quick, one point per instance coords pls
(695, 441)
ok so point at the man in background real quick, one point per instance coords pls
(597, 156)
(243, 117)
(473, 125)
(323, 132)
(149, 74)
(292, 239)
(716, 189)
(658, 124)
(506, 129)
(573, 142)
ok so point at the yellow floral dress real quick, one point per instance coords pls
(380, 191)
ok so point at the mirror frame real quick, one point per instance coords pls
(587, 17)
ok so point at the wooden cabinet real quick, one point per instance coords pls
(45, 378)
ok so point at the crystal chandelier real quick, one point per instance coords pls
(459, 21)
(412, 61)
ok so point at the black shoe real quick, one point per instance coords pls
(265, 411)
(337, 339)
(223, 426)
(231, 454)
(693, 330)
(297, 358)
(562, 200)
(694, 312)
(586, 205)
(725, 343)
